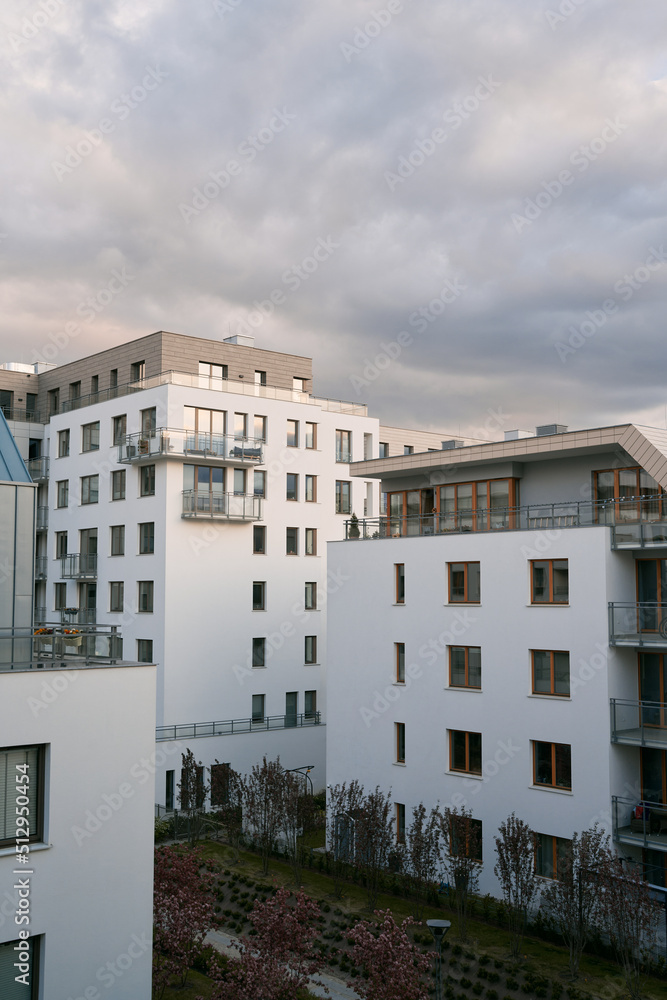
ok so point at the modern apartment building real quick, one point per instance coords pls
(518, 597)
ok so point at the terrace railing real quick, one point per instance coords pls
(232, 727)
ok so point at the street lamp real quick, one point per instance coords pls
(438, 929)
(304, 770)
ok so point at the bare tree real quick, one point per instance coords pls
(422, 854)
(374, 839)
(343, 806)
(227, 799)
(515, 870)
(462, 859)
(263, 802)
(298, 817)
(192, 792)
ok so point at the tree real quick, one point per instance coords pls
(192, 792)
(297, 816)
(227, 798)
(392, 967)
(515, 870)
(573, 899)
(263, 802)
(462, 859)
(343, 806)
(422, 854)
(374, 839)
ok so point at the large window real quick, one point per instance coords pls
(259, 428)
(475, 506)
(549, 581)
(465, 751)
(343, 496)
(343, 446)
(259, 483)
(90, 489)
(551, 672)
(137, 371)
(21, 795)
(258, 701)
(61, 544)
(310, 704)
(550, 853)
(620, 489)
(552, 764)
(465, 666)
(205, 429)
(464, 583)
(211, 376)
(465, 837)
(90, 436)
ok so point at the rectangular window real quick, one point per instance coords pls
(137, 371)
(63, 443)
(210, 375)
(310, 649)
(384, 450)
(116, 595)
(310, 704)
(311, 489)
(311, 435)
(148, 423)
(118, 540)
(61, 544)
(465, 837)
(239, 482)
(54, 401)
(292, 433)
(21, 775)
(551, 671)
(74, 390)
(11, 987)
(550, 853)
(220, 784)
(145, 596)
(400, 823)
(118, 485)
(168, 785)
(464, 583)
(399, 653)
(552, 764)
(145, 650)
(113, 378)
(399, 573)
(119, 429)
(342, 496)
(465, 666)
(399, 731)
(258, 701)
(291, 707)
(259, 539)
(147, 481)
(260, 378)
(292, 489)
(408, 449)
(549, 581)
(259, 652)
(465, 751)
(259, 596)
(62, 493)
(90, 436)
(259, 483)
(311, 542)
(259, 428)
(310, 603)
(59, 596)
(146, 538)
(292, 541)
(240, 426)
(90, 488)
(298, 383)
(30, 404)
(368, 447)
(343, 446)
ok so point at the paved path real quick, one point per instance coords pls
(337, 988)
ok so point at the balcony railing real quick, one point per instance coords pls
(38, 469)
(643, 624)
(40, 615)
(78, 566)
(78, 616)
(639, 723)
(234, 726)
(167, 442)
(25, 416)
(48, 643)
(41, 567)
(639, 823)
(42, 523)
(224, 506)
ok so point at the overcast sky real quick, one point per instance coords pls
(473, 193)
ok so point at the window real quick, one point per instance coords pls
(368, 447)
(137, 371)
(342, 497)
(25, 952)
(118, 540)
(21, 788)
(259, 428)
(145, 651)
(239, 482)
(258, 707)
(343, 446)
(59, 596)
(617, 491)
(145, 596)
(310, 704)
(205, 430)
(311, 542)
(168, 785)
(464, 583)
(291, 707)
(220, 784)
(147, 481)
(259, 483)
(118, 485)
(90, 487)
(259, 652)
(311, 489)
(75, 390)
(292, 490)
(90, 436)
(94, 384)
(399, 572)
(550, 853)
(292, 541)
(63, 443)
(408, 449)
(552, 764)
(260, 378)
(475, 506)
(549, 578)
(146, 538)
(209, 373)
(399, 732)
(113, 378)
(61, 544)
(116, 595)
(6, 402)
(310, 649)
(311, 435)
(384, 450)
(465, 837)
(259, 539)
(465, 666)
(54, 401)
(240, 426)
(259, 596)
(400, 823)
(551, 672)
(148, 422)
(30, 404)
(292, 433)
(62, 493)
(119, 429)
(399, 653)
(310, 603)
(299, 384)
(465, 751)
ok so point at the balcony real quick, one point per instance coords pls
(221, 506)
(648, 829)
(231, 727)
(41, 567)
(213, 449)
(38, 469)
(50, 644)
(40, 615)
(636, 625)
(78, 616)
(639, 723)
(42, 523)
(78, 566)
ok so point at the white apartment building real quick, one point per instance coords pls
(499, 641)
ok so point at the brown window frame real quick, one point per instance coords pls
(466, 583)
(554, 855)
(552, 689)
(550, 601)
(467, 768)
(554, 774)
(399, 659)
(399, 598)
(399, 732)
(467, 685)
(400, 822)
(432, 511)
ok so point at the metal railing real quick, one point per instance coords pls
(40, 615)
(173, 442)
(38, 469)
(78, 566)
(639, 822)
(642, 624)
(41, 567)
(227, 506)
(26, 416)
(234, 726)
(42, 522)
(50, 643)
(78, 616)
(639, 723)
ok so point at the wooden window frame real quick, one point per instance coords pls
(295, 433)
(550, 602)
(313, 647)
(466, 583)
(399, 598)
(554, 855)
(467, 685)
(312, 480)
(400, 822)
(313, 537)
(313, 446)
(399, 733)
(466, 769)
(552, 783)
(310, 595)
(432, 518)
(552, 688)
(261, 604)
(399, 659)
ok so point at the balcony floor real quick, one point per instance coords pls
(653, 841)
(649, 736)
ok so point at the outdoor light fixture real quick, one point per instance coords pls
(438, 929)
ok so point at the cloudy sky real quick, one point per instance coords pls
(471, 193)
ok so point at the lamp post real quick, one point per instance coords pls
(304, 770)
(438, 929)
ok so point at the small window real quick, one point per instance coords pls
(54, 401)
(63, 443)
(59, 596)
(62, 493)
(61, 544)
(551, 672)
(465, 751)
(310, 603)
(260, 378)
(550, 854)
(368, 447)
(408, 449)
(464, 583)
(147, 480)
(310, 649)
(399, 729)
(399, 653)
(342, 497)
(258, 701)
(399, 572)
(210, 375)
(259, 596)
(383, 450)
(311, 542)
(259, 483)
(311, 435)
(94, 384)
(292, 489)
(239, 482)
(400, 823)
(311, 489)
(113, 378)
(137, 371)
(74, 390)
(116, 595)
(90, 489)
(310, 704)
(90, 436)
(145, 651)
(118, 540)
(240, 426)
(552, 764)
(145, 596)
(118, 485)
(549, 581)
(465, 837)
(259, 652)
(292, 541)
(259, 428)
(292, 433)
(119, 429)
(146, 538)
(259, 539)
(465, 666)
(169, 779)
(343, 446)
(299, 384)
(22, 771)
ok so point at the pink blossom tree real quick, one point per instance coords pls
(392, 967)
